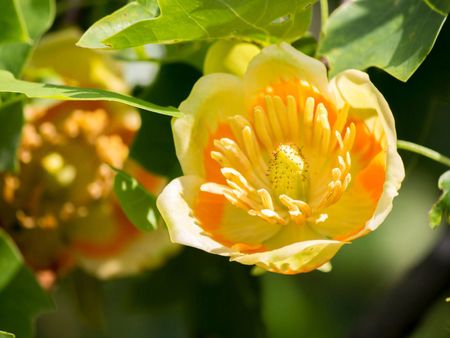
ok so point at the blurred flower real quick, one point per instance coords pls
(282, 167)
(226, 56)
(60, 208)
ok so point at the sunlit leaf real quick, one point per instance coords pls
(136, 202)
(138, 23)
(48, 91)
(11, 118)
(392, 35)
(12, 23)
(22, 22)
(4, 334)
(21, 297)
(441, 209)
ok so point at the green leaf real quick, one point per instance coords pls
(138, 23)
(21, 297)
(12, 23)
(48, 91)
(10, 261)
(4, 334)
(11, 120)
(441, 209)
(13, 56)
(24, 21)
(306, 44)
(395, 36)
(136, 202)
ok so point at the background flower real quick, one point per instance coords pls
(59, 207)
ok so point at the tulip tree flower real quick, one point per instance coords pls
(282, 167)
(60, 208)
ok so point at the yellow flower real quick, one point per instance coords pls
(60, 208)
(282, 168)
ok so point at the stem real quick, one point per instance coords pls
(399, 312)
(424, 151)
(323, 14)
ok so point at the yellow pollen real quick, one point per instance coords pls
(288, 172)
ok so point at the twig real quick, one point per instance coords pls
(323, 14)
(424, 151)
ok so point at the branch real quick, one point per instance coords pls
(398, 314)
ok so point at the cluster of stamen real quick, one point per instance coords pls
(286, 162)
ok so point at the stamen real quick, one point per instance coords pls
(236, 177)
(293, 118)
(262, 128)
(336, 174)
(237, 123)
(235, 201)
(339, 139)
(273, 118)
(298, 210)
(349, 138)
(269, 216)
(282, 116)
(341, 118)
(308, 117)
(254, 152)
(220, 158)
(266, 199)
(293, 203)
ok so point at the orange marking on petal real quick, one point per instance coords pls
(372, 177)
(365, 145)
(125, 233)
(248, 248)
(209, 210)
(212, 168)
(352, 234)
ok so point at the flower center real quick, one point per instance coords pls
(264, 162)
(288, 172)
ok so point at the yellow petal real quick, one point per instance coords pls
(174, 204)
(213, 98)
(355, 89)
(292, 233)
(205, 221)
(146, 251)
(295, 258)
(280, 63)
(231, 225)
